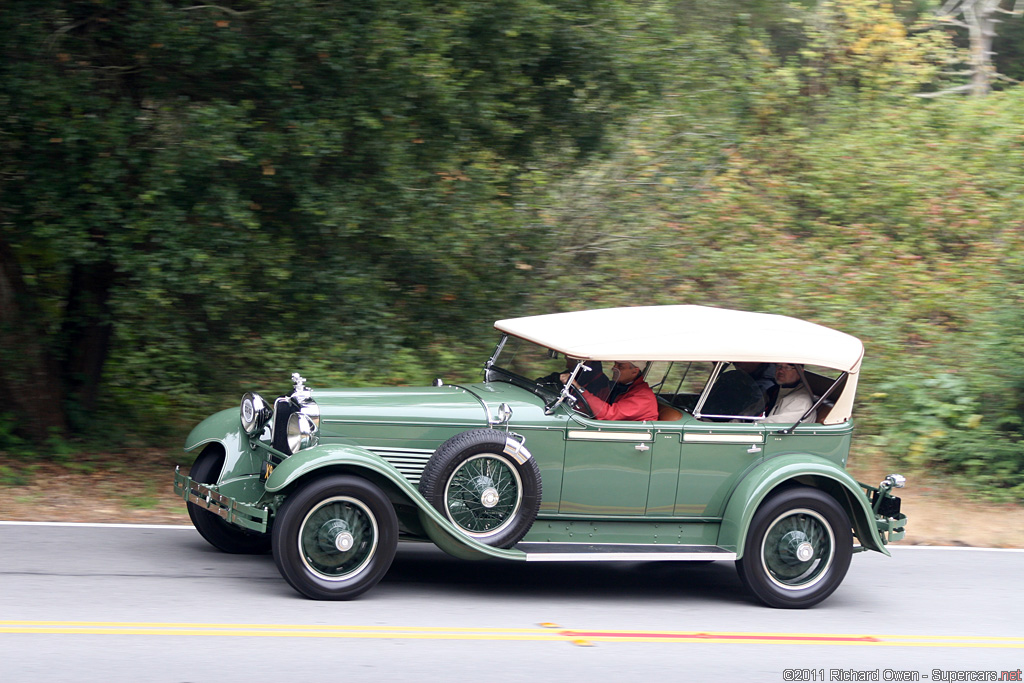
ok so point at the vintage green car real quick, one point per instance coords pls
(516, 467)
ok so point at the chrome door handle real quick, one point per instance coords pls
(754, 449)
(642, 447)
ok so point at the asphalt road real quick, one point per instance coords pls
(88, 603)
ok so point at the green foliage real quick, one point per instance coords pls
(181, 182)
(942, 424)
(864, 45)
(897, 221)
(197, 200)
(11, 477)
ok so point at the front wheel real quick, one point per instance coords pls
(798, 549)
(335, 538)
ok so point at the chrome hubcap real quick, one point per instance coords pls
(489, 498)
(804, 551)
(344, 542)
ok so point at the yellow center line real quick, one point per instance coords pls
(549, 634)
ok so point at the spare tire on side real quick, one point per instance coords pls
(485, 485)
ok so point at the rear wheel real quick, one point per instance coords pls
(335, 538)
(219, 533)
(798, 549)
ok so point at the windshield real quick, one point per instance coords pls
(528, 365)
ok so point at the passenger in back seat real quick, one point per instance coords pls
(763, 374)
(793, 399)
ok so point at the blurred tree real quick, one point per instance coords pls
(980, 18)
(190, 190)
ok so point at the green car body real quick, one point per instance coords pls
(681, 488)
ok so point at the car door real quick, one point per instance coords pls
(718, 445)
(607, 467)
(714, 457)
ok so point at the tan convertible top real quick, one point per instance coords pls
(684, 333)
(693, 333)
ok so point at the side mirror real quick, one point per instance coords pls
(503, 416)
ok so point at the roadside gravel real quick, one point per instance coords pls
(136, 487)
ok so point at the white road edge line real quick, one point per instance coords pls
(954, 547)
(100, 525)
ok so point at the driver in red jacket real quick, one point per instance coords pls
(631, 397)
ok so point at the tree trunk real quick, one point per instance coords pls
(29, 376)
(981, 27)
(86, 332)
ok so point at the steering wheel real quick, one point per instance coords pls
(579, 401)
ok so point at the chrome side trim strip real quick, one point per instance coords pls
(723, 438)
(400, 423)
(611, 436)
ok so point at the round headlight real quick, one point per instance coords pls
(301, 432)
(255, 413)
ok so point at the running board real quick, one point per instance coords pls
(620, 552)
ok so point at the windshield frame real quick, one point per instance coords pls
(493, 372)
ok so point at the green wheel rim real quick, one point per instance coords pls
(483, 495)
(798, 549)
(337, 538)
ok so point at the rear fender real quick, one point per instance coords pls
(797, 469)
(350, 459)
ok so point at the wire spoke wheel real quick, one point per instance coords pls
(337, 538)
(487, 489)
(798, 549)
(483, 494)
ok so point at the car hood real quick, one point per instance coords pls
(456, 405)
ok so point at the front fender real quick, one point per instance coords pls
(805, 470)
(239, 473)
(224, 427)
(355, 459)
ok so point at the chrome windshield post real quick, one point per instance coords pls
(707, 389)
(494, 357)
(497, 351)
(564, 394)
